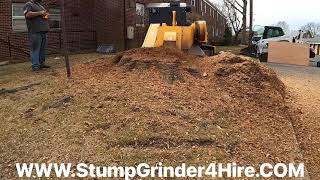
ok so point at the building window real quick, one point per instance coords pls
(193, 2)
(18, 19)
(55, 18)
(210, 12)
(201, 6)
(140, 14)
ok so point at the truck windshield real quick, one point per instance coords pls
(258, 30)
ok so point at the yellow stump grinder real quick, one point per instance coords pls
(169, 27)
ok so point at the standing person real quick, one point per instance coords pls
(37, 22)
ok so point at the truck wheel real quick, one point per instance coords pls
(263, 57)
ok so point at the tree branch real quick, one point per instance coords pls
(235, 7)
(239, 4)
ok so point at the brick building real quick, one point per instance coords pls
(92, 22)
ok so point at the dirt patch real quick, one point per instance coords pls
(151, 105)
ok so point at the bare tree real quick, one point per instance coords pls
(233, 17)
(312, 27)
(284, 25)
(242, 9)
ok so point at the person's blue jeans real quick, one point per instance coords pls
(38, 43)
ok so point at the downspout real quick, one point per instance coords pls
(125, 25)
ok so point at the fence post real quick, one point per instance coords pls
(65, 40)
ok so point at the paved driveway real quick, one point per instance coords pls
(304, 86)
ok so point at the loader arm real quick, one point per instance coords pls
(151, 37)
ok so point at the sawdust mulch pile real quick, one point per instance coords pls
(160, 105)
(163, 100)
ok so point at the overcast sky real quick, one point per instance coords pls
(295, 12)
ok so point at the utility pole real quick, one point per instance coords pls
(64, 35)
(244, 21)
(251, 22)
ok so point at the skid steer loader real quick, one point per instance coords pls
(169, 27)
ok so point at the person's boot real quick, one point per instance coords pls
(36, 69)
(44, 66)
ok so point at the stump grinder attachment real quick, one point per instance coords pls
(169, 27)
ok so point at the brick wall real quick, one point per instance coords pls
(140, 31)
(216, 22)
(111, 26)
(93, 22)
(80, 26)
(109, 23)
(5, 26)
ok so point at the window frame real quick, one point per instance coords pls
(55, 14)
(15, 17)
(143, 22)
(193, 3)
(22, 18)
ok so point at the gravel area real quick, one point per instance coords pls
(303, 84)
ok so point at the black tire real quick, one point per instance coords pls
(263, 57)
(312, 54)
(318, 64)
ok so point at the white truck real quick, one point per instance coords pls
(265, 34)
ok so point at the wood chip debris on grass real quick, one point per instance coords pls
(165, 97)
(157, 105)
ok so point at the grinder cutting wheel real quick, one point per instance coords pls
(169, 27)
